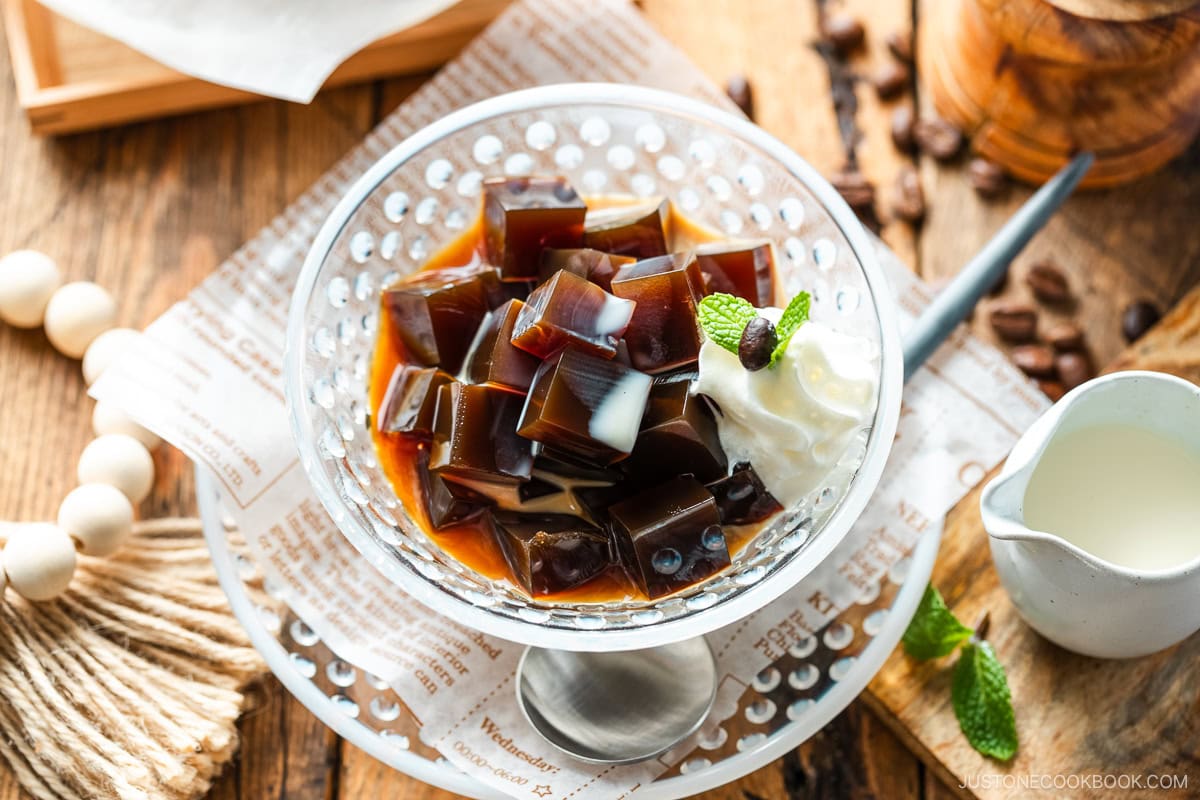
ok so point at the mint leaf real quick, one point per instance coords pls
(795, 315)
(723, 318)
(983, 703)
(934, 630)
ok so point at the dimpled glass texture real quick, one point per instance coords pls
(721, 172)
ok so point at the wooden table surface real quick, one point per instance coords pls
(148, 210)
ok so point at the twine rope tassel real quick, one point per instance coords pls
(129, 685)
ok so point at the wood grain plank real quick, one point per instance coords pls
(286, 752)
(364, 776)
(878, 158)
(150, 209)
(769, 42)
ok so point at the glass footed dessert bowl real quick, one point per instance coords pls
(422, 407)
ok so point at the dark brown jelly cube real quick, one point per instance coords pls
(551, 553)
(741, 497)
(510, 496)
(567, 309)
(669, 536)
(746, 270)
(639, 231)
(495, 359)
(664, 332)
(597, 500)
(523, 216)
(591, 265)
(586, 406)
(678, 436)
(447, 504)
(566, 467)
(436, 313)
(475, 435)
(410, 401)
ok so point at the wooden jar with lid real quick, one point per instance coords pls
(1034, 81)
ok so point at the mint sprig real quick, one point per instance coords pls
(795, 315)
(723, 318)
(982, 702)
(979, 690)
(934, 631)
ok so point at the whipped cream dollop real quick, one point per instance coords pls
(793, 421)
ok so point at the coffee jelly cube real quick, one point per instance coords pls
(743, 269)
(523, 216)
(593, 265)
(495, 359)
(586, 406)
(475, 435)
(511, 496)
(435, 313)
(447, 504)
(742, 498)
(678, 436)
(664, 332)
(410, 401)
(669, 536)
(551, 553)
(567, 309)
(565, 467)
(639, 231)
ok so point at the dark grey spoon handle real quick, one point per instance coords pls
(954, 303)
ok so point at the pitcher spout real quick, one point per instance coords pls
(1003, 506)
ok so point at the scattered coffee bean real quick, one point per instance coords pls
(1073, 369)
(987, 178)
(1014, 322)
(1048, 283)
(908, 198)
(1035, 360)
(902, 129)
(1064, 337)
(1138, 318)
(901, 45)
(855, 189)
(844, 32)
(757, 343)
(1052, 389)
(1000, 285)
(739, 91)
(938, 138)
(891, 80)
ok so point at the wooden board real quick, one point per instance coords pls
(71, 78)
(1075, 715)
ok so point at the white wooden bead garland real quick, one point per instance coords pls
(116, 470)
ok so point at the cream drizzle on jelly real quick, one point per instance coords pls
(616, 421)
(564, 501)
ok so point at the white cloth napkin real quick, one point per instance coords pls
(279, 48)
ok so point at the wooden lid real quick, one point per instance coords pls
(1123, 10)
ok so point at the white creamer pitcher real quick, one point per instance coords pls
(1070, 595)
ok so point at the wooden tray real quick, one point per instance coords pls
(70, 78)
(1076, 716)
